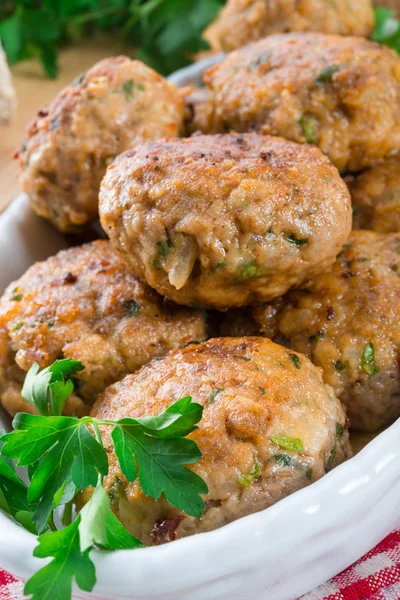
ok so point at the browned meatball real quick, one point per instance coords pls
(244, 21)
(375, 194)
(227, 220)
(347, 322)
(116, 105)
(85, 303)
(340, 93)
(270, 427)
(391, 4)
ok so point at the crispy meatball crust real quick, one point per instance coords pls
(86, 303)
(244, 21)
(253, 392)
(347, 322)
(340, 93)
(375, 195)
(226, 220)
(116, 105)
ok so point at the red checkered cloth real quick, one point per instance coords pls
(376, 576)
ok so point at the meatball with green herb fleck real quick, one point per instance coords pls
(116, 105)
(244, 21)
(340, 93)
(375, 195)
(227, 220)
(86, 303)
(269, 428)
(347, 322)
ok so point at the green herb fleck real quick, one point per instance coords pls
(368, 360)
(317, 336)
(295, 240)
(288, 443)
(295, 360)
(115, 490)
(308, 127)
(330, 459)
(339, 365)
(213, 395)
(164, 248)
(284, 460)
(131, 307)
(339, 430)
(246, 479)
(140, 87)
(50, 325)
(248, 270)
(128, 89)
(16, 295)
(326, 74)
(18, 326)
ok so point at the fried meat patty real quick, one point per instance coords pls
(244, 21)
(375, 195)
(116, 105)
(347, 322)
(226, 220)
(86, 303)
(340, 93)
(269, 427)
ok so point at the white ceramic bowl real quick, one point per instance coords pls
(276, 554)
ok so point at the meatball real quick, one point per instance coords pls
(270, 427)
(347, 322)
(340, 93)
(375, 194)
(244, 21)
(85, 303)
(116, 105)
(226, 220)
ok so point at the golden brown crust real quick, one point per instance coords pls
(116, 105)
(244, 21)
(252, 390)
(375, 195)
(226, 220)
(352, 305)
(87, 304)
(342, 93)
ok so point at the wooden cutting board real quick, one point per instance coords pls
(34, 90)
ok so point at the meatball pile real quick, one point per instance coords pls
(256, 395)
(116, 105)
(244, 21)
(232, 273)
(86, 304)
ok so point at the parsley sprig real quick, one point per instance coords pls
(387, 28)
(65, 454)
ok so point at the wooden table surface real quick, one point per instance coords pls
(34, 90)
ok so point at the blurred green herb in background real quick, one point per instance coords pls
(387, 28)
(165, 33)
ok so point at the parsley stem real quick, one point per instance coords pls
(67, 514)
(51, 523)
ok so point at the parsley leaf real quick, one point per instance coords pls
(387, 28)
(67, 452)
(47, 390)
(159, 455)
(54, 581)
